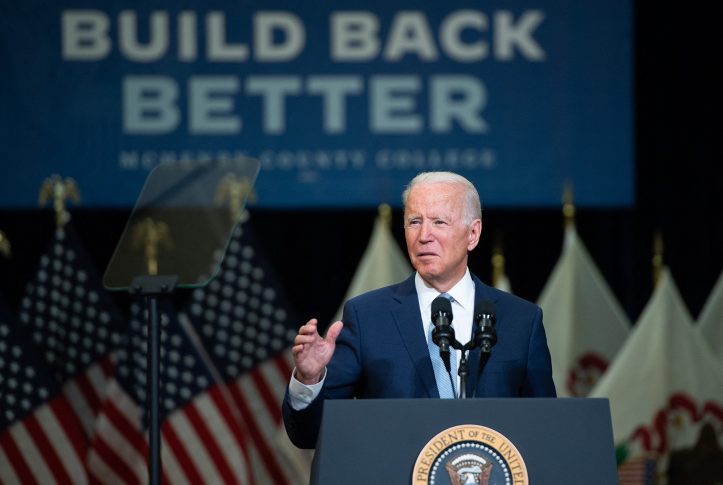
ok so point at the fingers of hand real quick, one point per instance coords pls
(309, 328)
(304, 339)
(334, 331)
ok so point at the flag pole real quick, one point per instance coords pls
(657, 260)
(385, 212)
(568, 205)
(498, 260)
(5, 248)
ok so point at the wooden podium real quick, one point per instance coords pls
(377, 442)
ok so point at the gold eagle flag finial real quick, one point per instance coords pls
(5, 248)
(235, 190)
(55, 188)
(149, 234)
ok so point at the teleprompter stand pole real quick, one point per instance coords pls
(154, 288)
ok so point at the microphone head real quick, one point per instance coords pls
(485, 307)
(441, 306)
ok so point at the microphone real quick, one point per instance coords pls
(443, 333)
(485, 318)
(485, 335)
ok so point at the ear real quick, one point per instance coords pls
(475, 230)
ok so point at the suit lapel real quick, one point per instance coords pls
(481, 292)
(409, 322)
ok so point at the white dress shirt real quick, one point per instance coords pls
(462, 308)
(301, 395)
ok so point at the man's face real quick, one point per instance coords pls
(437, 238)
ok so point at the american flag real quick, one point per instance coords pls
(69, 326)
(201, 441)
(73, 320)
(246, 325)
(42, 438)
(638, 471)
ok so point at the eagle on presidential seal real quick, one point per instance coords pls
(469, 469)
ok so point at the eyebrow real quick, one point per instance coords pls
(439, 217)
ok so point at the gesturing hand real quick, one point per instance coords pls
(312, 353)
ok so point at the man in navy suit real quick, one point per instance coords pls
(381, 349)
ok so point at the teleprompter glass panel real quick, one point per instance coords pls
(183, 221)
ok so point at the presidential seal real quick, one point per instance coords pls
(469, 455)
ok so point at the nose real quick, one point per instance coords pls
(426, 232)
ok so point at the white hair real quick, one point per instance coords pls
(472, 205)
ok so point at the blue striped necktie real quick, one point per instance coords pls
(444, 386)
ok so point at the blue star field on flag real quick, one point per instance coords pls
(242, 315)
(25, 382)
(183, 372)
(73, 320)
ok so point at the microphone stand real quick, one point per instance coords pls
(463, 370)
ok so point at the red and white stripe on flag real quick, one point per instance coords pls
(49, 446)
(201, 443)
(258, 395)
(639, 471)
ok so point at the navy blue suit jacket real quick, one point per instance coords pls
(382, 353)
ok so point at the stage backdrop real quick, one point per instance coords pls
(341, 101)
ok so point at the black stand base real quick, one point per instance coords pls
(154, 288)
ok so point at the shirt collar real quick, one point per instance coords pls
(462, 292)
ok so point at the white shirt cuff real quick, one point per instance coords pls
(301, 395)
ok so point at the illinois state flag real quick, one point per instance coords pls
(710, 322)
(503, 283)
(666, 396)
(585, 324)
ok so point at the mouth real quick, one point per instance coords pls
(426, 255)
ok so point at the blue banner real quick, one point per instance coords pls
(341, 102)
